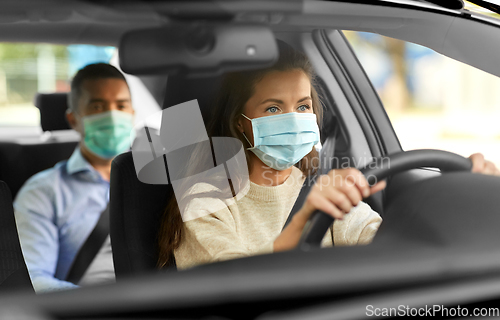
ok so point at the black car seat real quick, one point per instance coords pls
(21, 159)
(13, 272)
(135, 207)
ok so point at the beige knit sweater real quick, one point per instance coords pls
(249, 225)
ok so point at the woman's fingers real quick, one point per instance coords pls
(352, 193)
(493, 168)
(481, 165)
(353, 177)
(338, 192)
(490, 168)
(348, 188)
(339, 199)
(379, 186)
(477, 162)
(319, 202)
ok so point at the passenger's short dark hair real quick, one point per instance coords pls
(90, 72)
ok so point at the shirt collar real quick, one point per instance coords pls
(77, 164)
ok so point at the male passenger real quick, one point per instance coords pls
(58, 208)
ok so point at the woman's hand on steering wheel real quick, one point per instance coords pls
(394, 164)
(481, 165)
(337, 192)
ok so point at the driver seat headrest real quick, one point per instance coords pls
(182, 89)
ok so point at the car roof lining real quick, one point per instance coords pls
(431, 26)
(71, 22)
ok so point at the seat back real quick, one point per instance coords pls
(19, 160)
(13, 271)
(135, 211)
(135, 207)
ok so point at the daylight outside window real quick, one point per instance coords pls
(26, 69)
(433, 102)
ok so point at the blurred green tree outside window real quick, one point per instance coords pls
(27, 69)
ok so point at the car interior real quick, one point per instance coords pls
(132, 235)
(424, 248)
(13, 274)
(21, 159)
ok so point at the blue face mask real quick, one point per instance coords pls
(108, 134)
(282, 140)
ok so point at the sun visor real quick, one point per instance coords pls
(197, 49)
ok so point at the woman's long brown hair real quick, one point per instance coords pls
(236, 90)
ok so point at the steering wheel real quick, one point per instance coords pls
(380, 169)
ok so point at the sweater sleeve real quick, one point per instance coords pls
(358, 226)
(213, 237)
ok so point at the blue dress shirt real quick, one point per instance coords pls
(56, 210)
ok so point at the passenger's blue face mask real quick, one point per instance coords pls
(108, 134)
(281, 141)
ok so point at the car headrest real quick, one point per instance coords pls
(181, 89)
(52, 108)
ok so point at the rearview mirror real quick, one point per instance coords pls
(197, 49)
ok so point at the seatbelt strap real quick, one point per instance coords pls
(304, 191)
(90, 248)
(326, 155)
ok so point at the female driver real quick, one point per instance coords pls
(275, 112)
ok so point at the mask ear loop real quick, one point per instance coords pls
(247, 140)
(244, 132)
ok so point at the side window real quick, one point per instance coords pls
(28, 68)
(432, 101)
